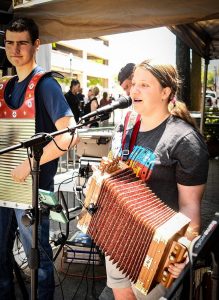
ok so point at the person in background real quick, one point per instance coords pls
(73, 99)
(80, 94)
(81, 97)
(52, 113)
(176, 158)
(105, 100)
(125, 77)
(92, 103)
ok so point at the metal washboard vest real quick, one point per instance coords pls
(16, 125)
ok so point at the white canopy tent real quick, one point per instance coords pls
(194, 21)
(68, 19)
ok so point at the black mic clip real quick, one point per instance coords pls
(46, 208)
(61, 240)
(28, 218)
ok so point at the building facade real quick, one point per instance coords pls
(86, 60)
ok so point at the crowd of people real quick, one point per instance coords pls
(167, 144)
(82, 105)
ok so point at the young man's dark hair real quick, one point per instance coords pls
(24, 24)
(126, 72)
(74, 82)
(125, 77)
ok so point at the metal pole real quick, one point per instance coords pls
(34, 255)
(70, 59)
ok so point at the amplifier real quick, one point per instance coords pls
(94, 142)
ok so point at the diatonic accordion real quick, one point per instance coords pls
(130, 224)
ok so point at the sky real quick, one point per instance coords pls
(158, 44)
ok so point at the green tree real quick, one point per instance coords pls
(210, 79)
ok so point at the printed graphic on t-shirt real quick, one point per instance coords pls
(116, 142)
(142, 161)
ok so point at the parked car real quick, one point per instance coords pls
(211, 98)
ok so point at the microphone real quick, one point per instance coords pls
(122, 102)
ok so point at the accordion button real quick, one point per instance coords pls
(172, 258)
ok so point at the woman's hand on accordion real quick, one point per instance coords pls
(176, 268)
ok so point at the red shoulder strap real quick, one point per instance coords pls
(29, 94)
(128, 140)
(135, 133)
(125, 128)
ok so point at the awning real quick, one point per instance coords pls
(195, 21)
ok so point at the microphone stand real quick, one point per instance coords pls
(36, 143)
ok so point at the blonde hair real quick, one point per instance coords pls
(168, 77)
(95, 91)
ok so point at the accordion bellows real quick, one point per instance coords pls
(130, 224)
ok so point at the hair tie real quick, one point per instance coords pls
(174, 101)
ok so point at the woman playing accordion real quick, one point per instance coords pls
(150, 198)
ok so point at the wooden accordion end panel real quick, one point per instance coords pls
(131, 225)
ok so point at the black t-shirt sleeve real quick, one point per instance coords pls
(191, 156)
